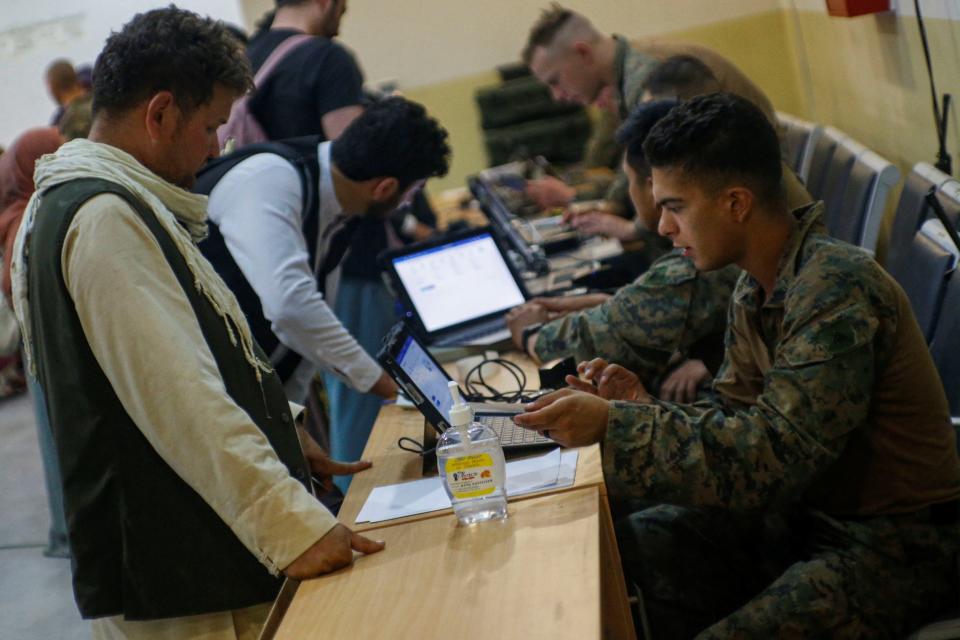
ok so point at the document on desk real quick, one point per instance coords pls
(553, 470)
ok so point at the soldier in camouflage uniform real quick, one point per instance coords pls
(669, 313)
(576, 61)
(817, 495)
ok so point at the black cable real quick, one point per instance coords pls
(474, 395)
(944, 162)
(415, 446)
(493, 394)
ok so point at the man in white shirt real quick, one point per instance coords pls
(281, 215)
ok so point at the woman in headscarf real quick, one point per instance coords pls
(16, 187)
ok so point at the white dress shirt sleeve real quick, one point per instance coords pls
(148, 342)
(257, 208)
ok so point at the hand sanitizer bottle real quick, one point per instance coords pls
(471, 465)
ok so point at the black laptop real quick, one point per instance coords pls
(456, 288)
(424, 381)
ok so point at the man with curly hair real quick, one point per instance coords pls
(186, 486)
(282, 215)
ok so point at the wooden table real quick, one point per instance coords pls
(551, 570)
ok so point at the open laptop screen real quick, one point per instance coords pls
(458, 282)
(430, 381)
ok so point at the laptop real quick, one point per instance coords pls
(456, 288)
(424, 381)
(534, 239)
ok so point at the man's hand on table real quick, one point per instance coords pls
(331, 552)
(523, 316)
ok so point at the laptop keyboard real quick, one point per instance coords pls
(512, 435)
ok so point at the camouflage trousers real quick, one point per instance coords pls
(713, 574)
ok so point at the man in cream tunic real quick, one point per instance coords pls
(184, 479)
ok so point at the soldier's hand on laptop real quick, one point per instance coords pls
(550, 192)
(331, 552)
(604, 224)
(609, 381)
(569, 417)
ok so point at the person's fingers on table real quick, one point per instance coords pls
(338, 468)
(365, 545)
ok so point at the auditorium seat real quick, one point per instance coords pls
(854, 185)
(799, 138)
(924, 272)
(912, 210)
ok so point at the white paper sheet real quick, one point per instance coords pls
(555, 469)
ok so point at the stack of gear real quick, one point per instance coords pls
(520, 119)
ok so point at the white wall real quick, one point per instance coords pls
(34, 32)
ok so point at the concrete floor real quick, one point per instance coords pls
(36, 600)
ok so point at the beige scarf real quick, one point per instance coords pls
(182, 214)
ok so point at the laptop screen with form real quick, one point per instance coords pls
(423, 371)
(458, 282)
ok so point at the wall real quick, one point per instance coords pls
(473, 38)
(35, 32)
(442, 52)
(758, 43)
(867, 76)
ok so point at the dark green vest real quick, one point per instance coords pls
(144, 543)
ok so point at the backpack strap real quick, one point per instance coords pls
(277, 55)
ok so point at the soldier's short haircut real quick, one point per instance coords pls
(395, 138)
(168, 50)
(634, 131)
(681, 77)
(61, 75)
(554, 23)
(718, 138)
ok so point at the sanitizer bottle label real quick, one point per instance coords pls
(471, 476)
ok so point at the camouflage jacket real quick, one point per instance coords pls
(827, 397)
(670, 308)
(630, 69)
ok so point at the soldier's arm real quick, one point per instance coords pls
(667, 309)
(816, 394)
(625, 329)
